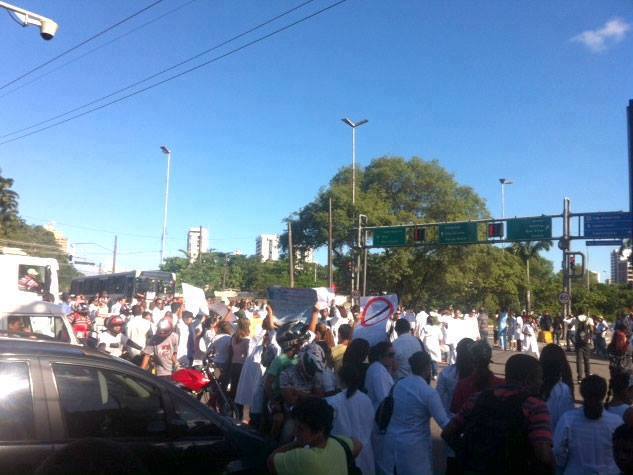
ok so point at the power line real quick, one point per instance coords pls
(89, 52)
(159, 73)
(87, 40)
(120, 233)
(175, 76)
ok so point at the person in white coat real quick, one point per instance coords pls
(431, 336)
(583, 439)
(354, 416)
(408, 446)
(378, 383)
(530, 339)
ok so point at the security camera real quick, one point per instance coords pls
(48, 28)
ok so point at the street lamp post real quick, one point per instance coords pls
(48, 28)
(354, 125)
(504, 181)
(167, 152)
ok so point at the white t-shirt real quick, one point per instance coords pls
(183, 338)
(137, 329)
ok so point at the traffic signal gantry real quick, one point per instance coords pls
(608, 228)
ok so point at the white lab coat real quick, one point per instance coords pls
(407, 446)
(431, 338)
(353, 417)
(378, 383)
(251, 374)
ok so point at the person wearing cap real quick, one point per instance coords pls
(29, 282)
(481, 378)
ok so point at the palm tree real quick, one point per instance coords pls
(8, 203)
(526, 251)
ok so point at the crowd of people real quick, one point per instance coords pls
(334, 403)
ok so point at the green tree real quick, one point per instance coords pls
(8, 206)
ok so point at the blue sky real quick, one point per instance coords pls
(535, 92)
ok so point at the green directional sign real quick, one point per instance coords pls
(390, 237)
(458, 233)
(529, 229)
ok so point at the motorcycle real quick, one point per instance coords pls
(201, 383)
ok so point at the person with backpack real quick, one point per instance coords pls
(506, 429)
(582, 340)
(583, 437)
(314, 451)
(407, 446)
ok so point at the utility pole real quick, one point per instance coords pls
(629, 114)
(329, 246)
(291, 267)
(358, 245)
(565, 247)
(114, 254)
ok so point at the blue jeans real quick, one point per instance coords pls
(503, 339)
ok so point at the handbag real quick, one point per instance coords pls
(352, 468)
(385, 411)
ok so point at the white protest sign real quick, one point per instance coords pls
(195, 301)
(457, 330)
(374, 319)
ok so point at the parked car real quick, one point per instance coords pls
(53, 393)
(38, 320)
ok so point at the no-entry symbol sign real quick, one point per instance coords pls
(376, 311)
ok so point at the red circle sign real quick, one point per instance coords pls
(377, 310)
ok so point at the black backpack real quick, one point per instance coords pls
(583, 334)
(494, 439)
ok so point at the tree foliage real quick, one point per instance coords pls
(34, 240)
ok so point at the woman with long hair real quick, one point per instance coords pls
(557, 389)
(356, 355)
(481, 378)
(583, 437)
(239, 351)
(354, 415)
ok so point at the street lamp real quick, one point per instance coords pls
(504, 181)
(167, 152)
(354, 125)
(48, 27)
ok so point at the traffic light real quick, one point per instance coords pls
(495, 230)
(419, 235)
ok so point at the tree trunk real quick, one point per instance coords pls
(528, 294)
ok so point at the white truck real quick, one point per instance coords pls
(24, 282)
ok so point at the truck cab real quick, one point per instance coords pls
(25, 279)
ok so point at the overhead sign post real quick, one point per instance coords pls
(390, 237)
(529, 229)
(608, 225)
(458, 233)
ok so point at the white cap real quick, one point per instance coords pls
(582, 317)
(32, 272)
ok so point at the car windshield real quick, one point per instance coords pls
(38, 326)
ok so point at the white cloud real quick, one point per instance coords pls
(600, 39)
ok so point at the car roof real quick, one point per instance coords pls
(19, 345)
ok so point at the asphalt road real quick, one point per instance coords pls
(499, 358)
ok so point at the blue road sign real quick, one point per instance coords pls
(609, 242)
(608, 225)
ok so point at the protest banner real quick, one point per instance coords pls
(375, 317)
(195, 300)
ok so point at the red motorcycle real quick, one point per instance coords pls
(200, 382)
